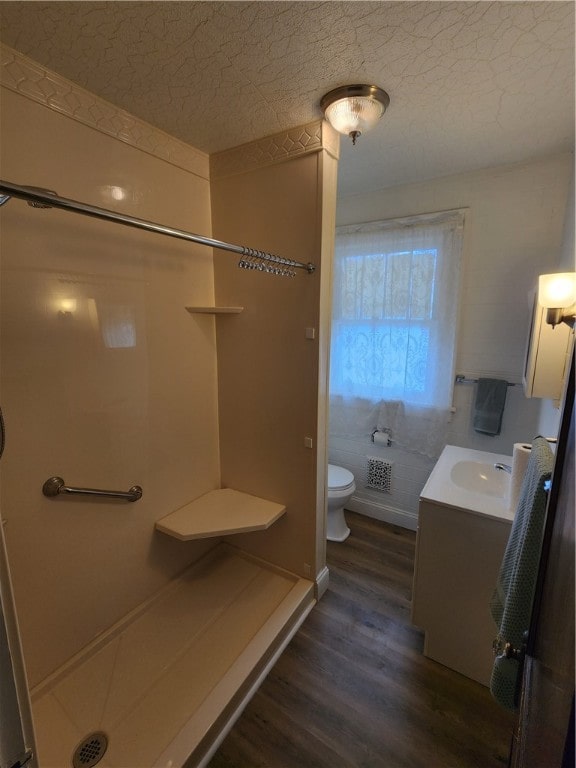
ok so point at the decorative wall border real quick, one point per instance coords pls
(286, 145)
(26, 77)
(22, 75)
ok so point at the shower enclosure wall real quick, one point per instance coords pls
(109, 382)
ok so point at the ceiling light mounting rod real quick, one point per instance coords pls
(354, 109)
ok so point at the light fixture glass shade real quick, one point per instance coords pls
(354, 109)
(557, 291)
(354, 115)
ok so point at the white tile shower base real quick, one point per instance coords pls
(164, 682)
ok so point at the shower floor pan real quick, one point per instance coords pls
(167, 682)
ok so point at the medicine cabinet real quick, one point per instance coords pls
(547, 356)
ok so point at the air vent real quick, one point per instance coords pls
(379, 474)
(90, 751)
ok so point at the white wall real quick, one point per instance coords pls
(513, 232)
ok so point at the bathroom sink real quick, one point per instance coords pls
(480, 477)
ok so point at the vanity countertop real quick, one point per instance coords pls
(488, 490)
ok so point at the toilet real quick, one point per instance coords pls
(341, 486)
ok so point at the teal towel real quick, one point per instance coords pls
(511, 604)
(489, 405)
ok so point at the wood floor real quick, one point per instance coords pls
(353, 690)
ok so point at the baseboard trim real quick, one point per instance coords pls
(387, 514)
(322, 581)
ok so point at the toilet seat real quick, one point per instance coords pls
(339, 479)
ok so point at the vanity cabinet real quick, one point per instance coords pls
(460, 544)
(458, 558)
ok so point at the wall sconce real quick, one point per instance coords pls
(354, 109)
(557, 293)
(66, 307)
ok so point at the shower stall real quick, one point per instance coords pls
(162, 486)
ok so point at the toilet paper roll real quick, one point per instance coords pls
(520, 456)
(381, 438)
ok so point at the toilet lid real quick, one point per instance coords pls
(338, 477)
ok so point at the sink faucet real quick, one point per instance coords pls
(503, 467)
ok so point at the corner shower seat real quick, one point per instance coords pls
(220, 513)
(166, 683)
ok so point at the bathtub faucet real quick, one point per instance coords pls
(503, 467)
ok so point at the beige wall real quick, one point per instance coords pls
(106, 379)
(96, 415)
(269, 377)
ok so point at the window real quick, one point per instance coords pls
(395, 307)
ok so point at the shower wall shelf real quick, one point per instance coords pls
(215, 310)
(220, 513)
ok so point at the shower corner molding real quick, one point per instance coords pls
(270, 150)
(26, 77)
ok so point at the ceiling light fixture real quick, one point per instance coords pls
(354, 109)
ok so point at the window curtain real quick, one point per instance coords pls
(395, 311)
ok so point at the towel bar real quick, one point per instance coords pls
(54, 486)
(461, 379)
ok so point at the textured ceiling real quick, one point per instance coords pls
(472, 84)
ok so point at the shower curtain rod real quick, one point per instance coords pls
(252, 259)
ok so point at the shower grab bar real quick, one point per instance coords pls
(254, 259)
(54, 486)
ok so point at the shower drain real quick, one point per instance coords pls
(90, 751)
